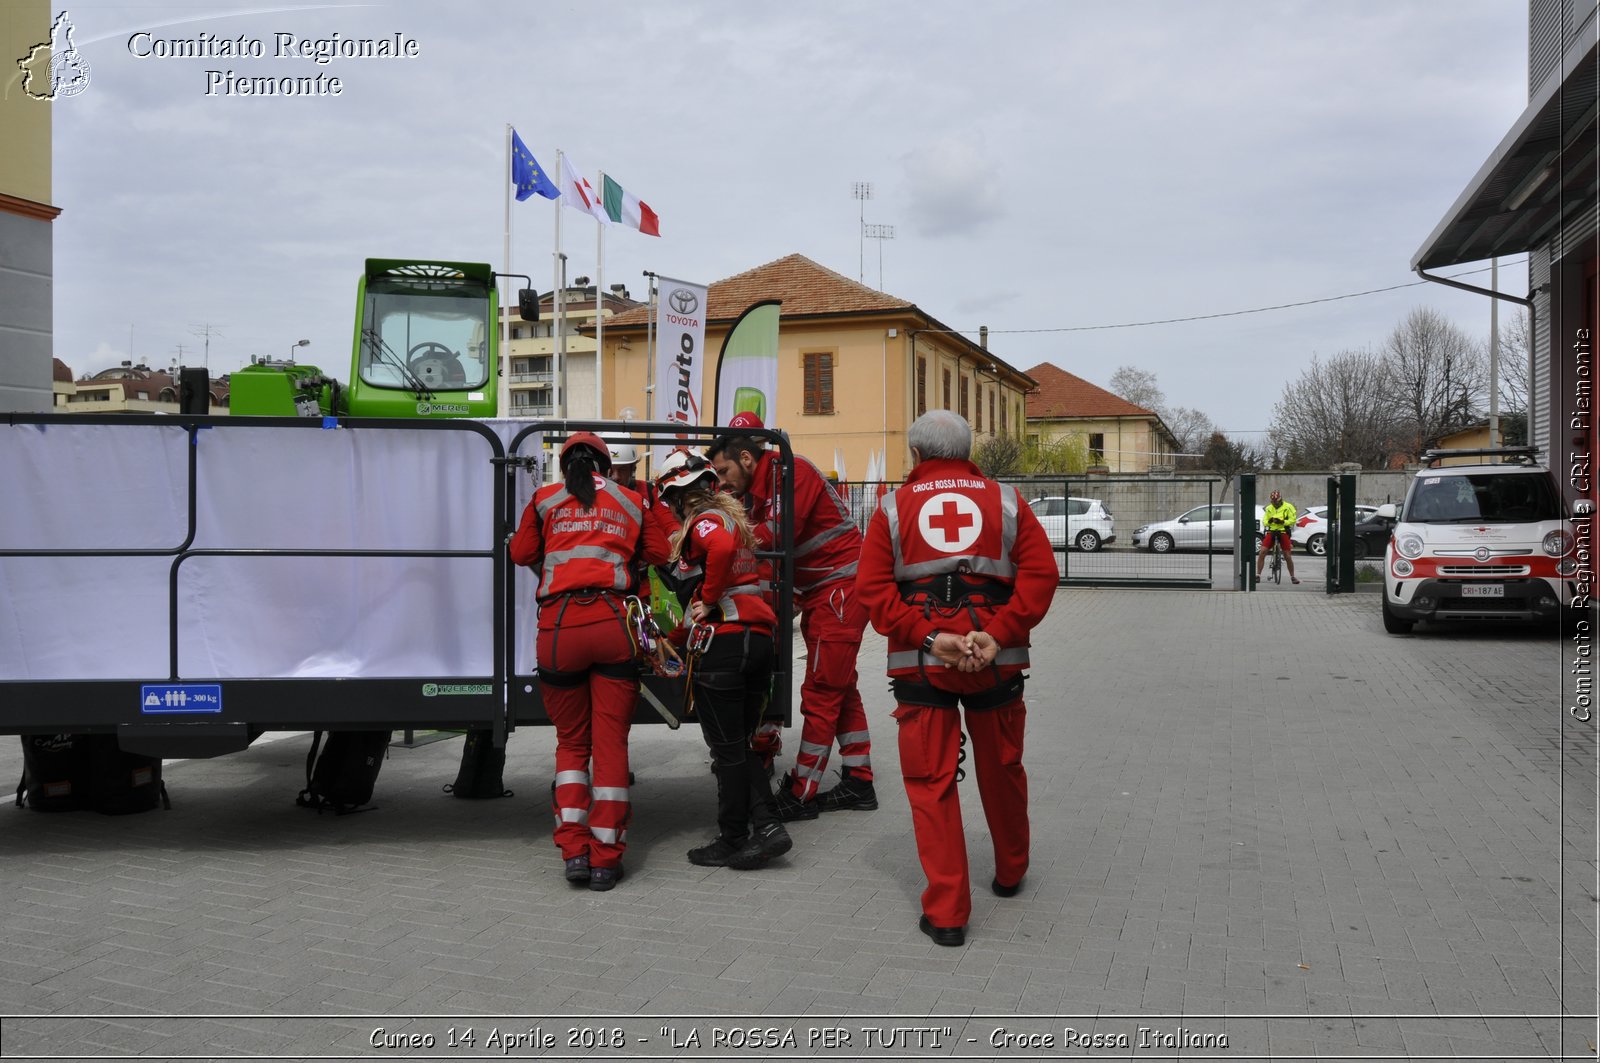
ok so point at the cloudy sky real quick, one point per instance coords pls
(1050, 167)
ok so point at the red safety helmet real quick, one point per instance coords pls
(682, 470)
(745, 420)
(602, 450)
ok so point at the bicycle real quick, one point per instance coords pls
(1275, 572)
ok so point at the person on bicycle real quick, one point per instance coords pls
(1279, 517)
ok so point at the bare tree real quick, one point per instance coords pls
(1139, 387)
(999, 455)
(1436, 375)
(1516, 338)
(1337, 411)
(1191, 429)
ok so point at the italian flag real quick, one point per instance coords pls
(624, 208)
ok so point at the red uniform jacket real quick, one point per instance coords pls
(732, 583)
(948, 519)
(827, 542)
(589, 550)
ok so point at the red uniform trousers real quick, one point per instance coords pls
(831, 623)
(592, 719)
(930, 745)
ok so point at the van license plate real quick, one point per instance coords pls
(1483, 590)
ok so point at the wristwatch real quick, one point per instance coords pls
(927, 643)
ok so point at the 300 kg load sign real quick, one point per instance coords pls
(180, 698)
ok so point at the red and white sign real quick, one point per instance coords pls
(950, 522)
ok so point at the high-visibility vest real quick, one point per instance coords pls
(952, 532)
(587, 549)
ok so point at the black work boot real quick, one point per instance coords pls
(853, 793)
(790, 807)
(718, 852)
(764, 843)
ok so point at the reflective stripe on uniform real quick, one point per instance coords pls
(613, 491)
(609, 835)
(826, 537)
(619, 564)
(611, 793)
(848, 737)
(918, 659)
(567, 778)
(574, 815)
(544, 508)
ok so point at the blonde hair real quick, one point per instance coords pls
(696, 501)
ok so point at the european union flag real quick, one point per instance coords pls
(527, 174)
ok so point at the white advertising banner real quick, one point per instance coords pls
(680, 354)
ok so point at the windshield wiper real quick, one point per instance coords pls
(387, 356)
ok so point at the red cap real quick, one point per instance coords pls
(745, 420)
(588, 439)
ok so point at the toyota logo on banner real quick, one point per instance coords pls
(683, 301)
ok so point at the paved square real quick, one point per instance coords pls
(1262, 828)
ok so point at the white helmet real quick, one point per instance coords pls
(624, 454)
(682, 469)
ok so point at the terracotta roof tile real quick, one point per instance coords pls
(1060, 394)
(59, 371)
(805, 287)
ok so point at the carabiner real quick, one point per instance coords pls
(700, 636)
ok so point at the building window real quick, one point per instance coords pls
(818, 383)
(1004, 406)
(991, 413)
(1097, 448)
(922, 386)
(977, 424)
(963, 409)
(946, 404)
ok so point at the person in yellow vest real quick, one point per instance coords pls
(1279, 517)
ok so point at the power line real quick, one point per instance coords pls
(1211, 317)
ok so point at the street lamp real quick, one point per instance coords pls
(298, 343)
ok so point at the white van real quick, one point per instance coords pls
(1488, 538)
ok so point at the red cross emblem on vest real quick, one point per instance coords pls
(950, 522)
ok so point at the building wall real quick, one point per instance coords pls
(26, 264)
(1131, 444)
(874, 391)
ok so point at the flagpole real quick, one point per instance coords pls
(599, 319)
(650, 347)
(503, 326)
(559, 366)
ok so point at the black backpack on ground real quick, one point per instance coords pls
(66, 772)
(482, 771)
(343, 775)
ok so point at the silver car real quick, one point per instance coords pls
(1075, 523)
(1208, 527)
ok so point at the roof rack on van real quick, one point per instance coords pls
(1507, 455)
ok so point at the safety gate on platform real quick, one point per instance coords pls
(191, 582)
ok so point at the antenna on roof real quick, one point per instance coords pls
(862, 190)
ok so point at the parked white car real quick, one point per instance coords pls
(1490, 540)
(1075, 523)
(1201, 528)
(1310, 531)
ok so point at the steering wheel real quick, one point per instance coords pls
(435, 364)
